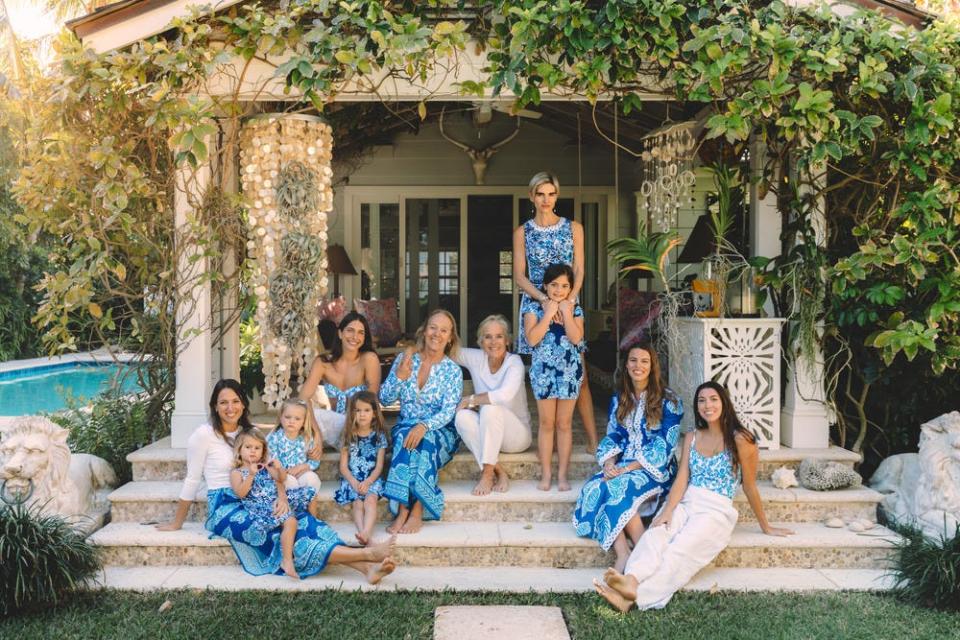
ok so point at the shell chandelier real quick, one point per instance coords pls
(285, 173)
(667, 170)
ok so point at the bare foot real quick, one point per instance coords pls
(289, 569)
(611, 596)
(484, 485)
(377, 572)
(381, 550)
(626, 586)
(544, 484)
(562, 484)
(591, 448)
(503, 480)
(413, 525)
(398, 522)
(361, 538)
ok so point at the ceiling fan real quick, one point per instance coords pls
(483, 113)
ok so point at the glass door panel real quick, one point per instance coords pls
(432, 278)
(379, 250)
(490, 261)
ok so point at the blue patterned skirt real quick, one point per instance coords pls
(259, 550)
(604, 507)
(413, 474)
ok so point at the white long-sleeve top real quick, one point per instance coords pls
(209, 459)
(505, 387)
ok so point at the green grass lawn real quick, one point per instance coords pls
(400, 615)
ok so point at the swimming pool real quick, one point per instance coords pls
(45, 388)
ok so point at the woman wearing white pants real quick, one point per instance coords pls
(495, 417)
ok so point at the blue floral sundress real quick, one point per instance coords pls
(289, 452)
(413, 474)
(543, 246)
(605, 506)
(263, 494)
(556, 368)
(714, 473)
(362, 461)
(338, 397)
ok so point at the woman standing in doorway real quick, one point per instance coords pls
(548, 239)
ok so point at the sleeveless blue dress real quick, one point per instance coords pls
(338, 398)
(544, 246)
(556, 369)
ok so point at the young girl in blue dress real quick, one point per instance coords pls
(290, 441)
(361, 462)
(256, 482)
(555, 330)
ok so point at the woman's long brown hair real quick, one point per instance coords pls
(655, 389)
(729, 422)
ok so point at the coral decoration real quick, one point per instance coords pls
(285, 171)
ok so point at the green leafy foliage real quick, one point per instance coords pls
(114, 425)
(927, 571)
(647, 252)
(43, 559)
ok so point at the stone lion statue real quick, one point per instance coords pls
(924, 488)
(73, 485)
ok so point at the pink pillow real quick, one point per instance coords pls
(333, 310)
(383, 317)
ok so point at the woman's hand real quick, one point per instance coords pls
(464, 404)
(281, 507)
(566, 308)
(172, 525)
(663, 518)
(415, 435)
(405, 367)
(779, 532)
(611, 470)
(316, 453)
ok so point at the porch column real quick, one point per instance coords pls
(805, 419)
(195, 370)
(226, 357)
(765, 219)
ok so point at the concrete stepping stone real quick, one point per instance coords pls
(499, 623)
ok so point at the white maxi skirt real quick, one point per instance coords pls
(666, 558)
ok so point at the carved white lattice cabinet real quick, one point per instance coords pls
(742, 354)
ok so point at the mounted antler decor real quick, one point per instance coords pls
(479, 158)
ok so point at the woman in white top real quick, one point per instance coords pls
(210, 458)
(494, 417)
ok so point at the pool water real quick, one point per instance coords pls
(45, 388)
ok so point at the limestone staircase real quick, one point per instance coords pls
(523, 528)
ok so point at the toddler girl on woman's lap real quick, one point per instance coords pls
(555, 331)
(289, 442)
(361, 462)
(258, 484)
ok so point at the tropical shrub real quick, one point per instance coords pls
(927, 571)
(42, 556)
(114, 425)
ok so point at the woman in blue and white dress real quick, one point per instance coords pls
(637, 456)
(210, 459)
(544, 240)
(697, 521)
(429, 385)
(351, 365)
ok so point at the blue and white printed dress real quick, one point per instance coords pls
(605, 506)
(289, 452)
(556, 368)
(713, 473)
(338, 397)
(263, 494)
(413, 474)
(543, 246)
(362, 460)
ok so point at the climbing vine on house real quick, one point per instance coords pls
(857, 116)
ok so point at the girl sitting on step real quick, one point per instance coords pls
(290, 441)
(361, 462)
(257, 483)
(697, 521)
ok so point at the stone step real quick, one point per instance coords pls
(156, 501)
(480, 579)
(514, 544)
(159, 461)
